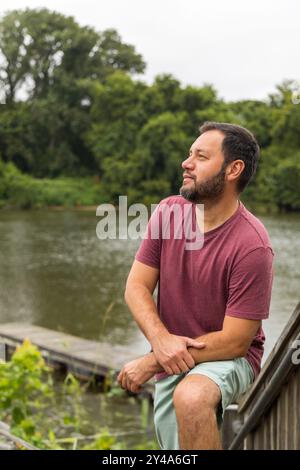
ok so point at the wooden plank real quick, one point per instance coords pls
(228, 432)
(262, 434)
(258, 436)
(281, 428)
(266, 433)
(297, 412)
(248, 442)
(273, 426)
(278, 424)
(64, 359)
(287, 426)
(3, 352)
(292, 412)
(100, 357)
(295, 431)
(64, 345)
(83, 357)
(288, 334)
(17, 441)
(53, 352)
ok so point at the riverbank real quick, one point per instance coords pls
(21, 191)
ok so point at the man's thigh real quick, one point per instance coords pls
(232, 377)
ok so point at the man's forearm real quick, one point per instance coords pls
(143, 308)
(219, 346)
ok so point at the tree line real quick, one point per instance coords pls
(76, 124)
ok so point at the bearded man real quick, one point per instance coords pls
(205, 331)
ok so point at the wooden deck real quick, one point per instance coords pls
(84, 358)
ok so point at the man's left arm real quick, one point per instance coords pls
(231, 342)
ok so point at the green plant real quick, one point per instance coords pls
(41, 412)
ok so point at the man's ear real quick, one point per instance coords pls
(235, 169)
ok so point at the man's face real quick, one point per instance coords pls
(204, 172)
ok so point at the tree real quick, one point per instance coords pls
(42, 49)
(286, 117)
(257, 116)
(48, 57)
(116, 117)
(162, 146)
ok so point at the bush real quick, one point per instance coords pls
(38, 411)
(51, 415)
(23, 191)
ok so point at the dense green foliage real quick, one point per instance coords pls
(72, 109)
(29, 403)
(50, 414)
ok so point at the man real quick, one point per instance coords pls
(205, 333)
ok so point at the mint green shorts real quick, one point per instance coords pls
(233, 377)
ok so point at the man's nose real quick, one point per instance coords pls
(187, 163)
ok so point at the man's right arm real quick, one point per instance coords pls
(170, 350)
(140, 286)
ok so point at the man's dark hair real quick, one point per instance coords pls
(238, 144)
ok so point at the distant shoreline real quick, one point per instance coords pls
(258, 209)
(76, 208)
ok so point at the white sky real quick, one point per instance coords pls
(244, 48)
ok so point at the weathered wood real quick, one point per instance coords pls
(273, 427)
(3, 352)
(288, 334)
(279, 429)
(292, 413)
(17, 442)
(248, 442)
(84, 357)
(271, 406)
(258, 437)
(102, 355)
(230, 423)
(286, 434)
(267, 433)
(278, 424)
(297, 414)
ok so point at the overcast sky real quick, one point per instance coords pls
(244, 48)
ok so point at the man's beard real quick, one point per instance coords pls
(210, 190)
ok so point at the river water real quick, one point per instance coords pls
(56, 273)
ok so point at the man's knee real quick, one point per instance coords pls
(196, 393)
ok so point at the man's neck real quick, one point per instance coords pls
(216, 213)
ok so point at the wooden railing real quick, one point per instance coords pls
(270, 411)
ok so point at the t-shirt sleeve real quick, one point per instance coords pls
(150, 247)
(250, 286)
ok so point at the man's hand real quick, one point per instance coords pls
(135, 373)
(172, 354)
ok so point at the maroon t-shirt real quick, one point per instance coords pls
(231, 274)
